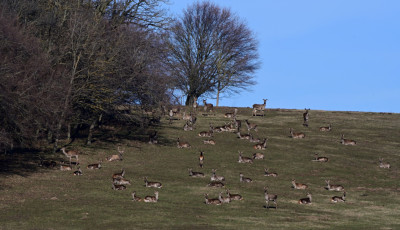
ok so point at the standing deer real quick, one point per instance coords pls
(70, 154)
(201, 159)
(306, 116)
(259, 107)
(270, 197)
(208, 106)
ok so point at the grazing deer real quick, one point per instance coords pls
(266, 173)
(78, 172)
(94, 166)
(195, 174)
(270, 197)
(118, 187)
(214, 176)
(208, 106)
(152, 184)
(201, 159)
(296, 135)
(234, 196)
(336, 199)
(119, 175)
(306, 200)
(216, 184)
(306, 115)
(244, 179)
(231, 115)
(209, 142)
(243, 136)
(238, 123)
(325, 129)
(383, 165)
(224, 200)
(153, 138)
(211, 201)
(182, 144)
(333, 187)
(261, 146)
(251, 126)
(347, 141)
(243, 159)
(151, 199)
(258, 156)
(320, 159)
(70, 154)
(298, 185)
(120, 181)
(259, 107)
(135, 198)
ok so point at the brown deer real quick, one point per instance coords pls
(243, 159)
(336, 199)
(298, 185)
(208, 106)
(261, 146)
(70, 154)
(347, 141)
(296, 135)
(266, 173)
(234, 196)
(259, 107)
(151, 199)
(270, 197)
(306, 200)
(211, 201)
(320, 159)
(325, 129)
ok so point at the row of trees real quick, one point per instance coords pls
(70, 64)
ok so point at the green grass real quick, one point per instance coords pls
(36, 198)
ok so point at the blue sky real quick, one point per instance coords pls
(325, 55)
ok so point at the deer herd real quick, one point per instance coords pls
(234, 126)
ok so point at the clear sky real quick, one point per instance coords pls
(341, 55)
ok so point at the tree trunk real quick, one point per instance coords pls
(90, 135)
(217, 103)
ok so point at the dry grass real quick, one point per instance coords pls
(37, 198)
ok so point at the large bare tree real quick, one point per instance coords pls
(211, 51)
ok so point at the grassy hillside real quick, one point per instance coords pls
(38, 198)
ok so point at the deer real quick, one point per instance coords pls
(182, 144)
(120, 181)
(244, 159)
(209, 142)
(216, 184)
(118, 187)
(336, 199)
(244, 179)
(208, 106)
(119, 175)
(270, 197)
(259, 107)
(234, 196)
(135, 198)
(266, 173)
(94, 166)
(320, 159)
(195, 104)
(298, 185)
(254, 140)
(306, 200)
(251, 126)
(151, 199)
(258, 156)
(383, 165)
(201, 159)
(231, 115)
(224, 200)
(195, 174)
(209, 133)
(238, 123)
(65, 167)
(152, 184)
(78, 172)
(306, 115)
(261, 146)
(70, 154)
(325, 129)
(243, 136)
(347, 141)
(116, 157)
(296, 135)
(214, 176)
(153, 138)
(330, 187)
(187, 127)
(186, 117)
(211, 201)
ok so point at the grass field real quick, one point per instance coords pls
(38, 198)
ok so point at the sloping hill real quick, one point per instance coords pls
(54, 199)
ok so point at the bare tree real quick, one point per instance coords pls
(211, 51)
